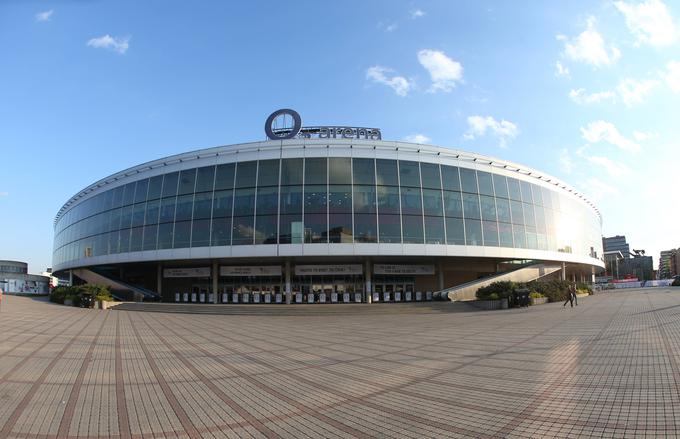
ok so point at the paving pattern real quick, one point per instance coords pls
(607, 368)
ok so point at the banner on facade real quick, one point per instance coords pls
(403, 269)
(251, 270)
(322, 270)
(187, 272)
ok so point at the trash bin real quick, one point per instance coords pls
(522, 297)
(86, 301)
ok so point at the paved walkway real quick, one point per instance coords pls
(607, 368)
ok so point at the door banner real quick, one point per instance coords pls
(403, 269)
(187, 272)
(251, 270)
(176, 297)
(318, 270)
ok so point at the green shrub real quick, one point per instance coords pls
(582, 287)
(535, 295)
(493, 296)
(555, 290)
(500, 289)
(75, 293)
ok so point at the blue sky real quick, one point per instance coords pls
(586, 91)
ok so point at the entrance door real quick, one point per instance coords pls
(388, 293)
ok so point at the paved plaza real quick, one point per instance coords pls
(607, 368)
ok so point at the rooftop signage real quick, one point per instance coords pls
(287, 124)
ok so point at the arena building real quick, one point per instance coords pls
(321, 214)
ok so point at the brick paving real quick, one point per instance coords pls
(607, 368)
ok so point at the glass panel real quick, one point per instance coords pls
(532, 241)
(246, 172)
(473, 232)
(165, 235)
(429, 173)
(485, 183)
(187, 182)
(505, 232)
(434, 230)
(340, 199)
(540, 219)
(411, 201)
(500, 185)
(138, 211)
(388, 200)
(200, 233)
(488, 208)
(386, 172)
(291, 171)
(536, 192)
(150, 236)
(182, 234)
(221, 231)
(184, 209)
(315, 199)
(412, 229)
(266, 229)
(364, 171)
(316, 227)
(518, 236)
(203, 205)
(114, 242)
(365, 228)
(126, 217)
(128, 195)
(409, 174)
(290, 229)
(450, 178)
(503, 209)
(526, 191)
(224, 176)
(244, 204)
(490, 233)
(124, 237)
(155, 186)
(140, 191)
(547, 199)
(268, 173)
(267, 200)
(291, 200)
(513, 189)
(529, 218)
(114, 221)
(453, 204)
(364, 199)
(170, 182)
(390, 228)
(222, 201)
(315, 171)
(471, 206)
(455, 233)
(516, 210)
(205, 179)
(136, 239)
(340, 227)
(242, 231)
(432, 202)
(340, 170)
(117, 197)
(468, 180)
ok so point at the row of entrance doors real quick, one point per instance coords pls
(307, 293)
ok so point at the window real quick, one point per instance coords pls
(291, 200)
(411, 201)
(291, 172)
(224, 176)
(340, 227)
(221, 231)
(128, 195)
(453, 204)
(365, 227)
(434, 230)
(267, 200)
(473, 232)
(432, 202)
(315, 171)
(316, 227)
(138, 211)
(266, 229)
(246, 173)
(386, 172)
(182, 234)
(268, 173)
(450, 178)
(340, 199)
(490, 232)
(364, 171)
(503, 209)
(242, 232)
(222, 201)
(500, 184)
(203, 205)
(389, 227)
(468, 180)
(412, 229)
(430, 175)
(205, 178)
(488, 208)
(526, 192)
(364, 199)
(513, 189)
(388, 200)
(505, 234)
(485, 183)
(471, 206)
(518, 236)
(150, 236)
(455, 232)
(244, 202)
(340, 170)
(184, 209)
(155, 186)
(200, 233)
(315, 199)
(141, 189)
(409, 174)
(136, 239)
(290, 229)
(187, 181)
(516, 211)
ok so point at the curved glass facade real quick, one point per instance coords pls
(326, 200)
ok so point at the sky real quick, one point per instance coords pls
(586, 91)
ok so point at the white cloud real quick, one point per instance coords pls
(417, 138)
(388, 27)
(634, 92)
(613, 168)
(589, 47)
(566, 164)
(580, 96)
(602, 131)
(597, 190)
(119, 45)
(399, 84)
(561, 70)
(672, 76)
(479, 125)
(416, 13)
(650, 22)
(642, 136)
(44, 16)
(444, 71)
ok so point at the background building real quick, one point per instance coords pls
(348, 216)
(667, 264)
(621, 263)
(14, 278)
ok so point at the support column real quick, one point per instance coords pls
(288, 292)
(159, 279)
(368, 277)
(592, 275)
(215, 277)
(70, 277)
(564, 271)
(440, 271)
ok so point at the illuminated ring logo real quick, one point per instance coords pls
(285, 133)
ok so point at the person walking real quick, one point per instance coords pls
(573, 292)
(570, 297)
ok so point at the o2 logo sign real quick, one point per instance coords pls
(283, 124)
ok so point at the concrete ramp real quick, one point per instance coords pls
(119, 289)
(526, 273)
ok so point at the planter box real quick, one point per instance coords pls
(68, 302)
(491, 304)
(539, 300)
(582, 294)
